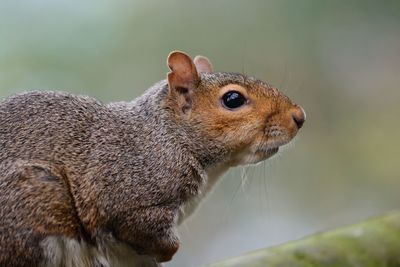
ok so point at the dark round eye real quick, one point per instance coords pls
(233, 99)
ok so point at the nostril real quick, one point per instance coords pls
(299, 117)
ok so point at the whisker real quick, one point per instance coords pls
(266, 189)
(184, 226)
(229, 205)
(244, 176)
(243, 56)
(283, 84)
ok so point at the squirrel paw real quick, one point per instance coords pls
(164, 249)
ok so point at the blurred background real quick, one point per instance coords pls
(339, 59)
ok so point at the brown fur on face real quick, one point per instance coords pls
(262, 124)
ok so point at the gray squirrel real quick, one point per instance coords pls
(83, 183)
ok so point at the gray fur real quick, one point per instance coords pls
(79, 178)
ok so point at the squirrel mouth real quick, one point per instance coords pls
(272, 151)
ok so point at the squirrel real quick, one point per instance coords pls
(84, 183)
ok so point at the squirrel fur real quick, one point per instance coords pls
(83, 183)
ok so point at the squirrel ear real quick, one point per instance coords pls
(203, 64)
(183, 73)
(182, 79)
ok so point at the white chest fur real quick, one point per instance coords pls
(65, 252)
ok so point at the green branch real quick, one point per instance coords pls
(373, 243)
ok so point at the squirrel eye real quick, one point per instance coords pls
(233, 99)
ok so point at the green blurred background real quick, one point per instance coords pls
(339, 59)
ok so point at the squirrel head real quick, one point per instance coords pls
(249, 117)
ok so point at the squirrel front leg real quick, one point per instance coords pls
(151, 231)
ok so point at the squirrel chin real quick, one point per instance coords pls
(260, 152)
(261, 155)
(253, 157)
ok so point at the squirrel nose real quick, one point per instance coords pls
(299, 116)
